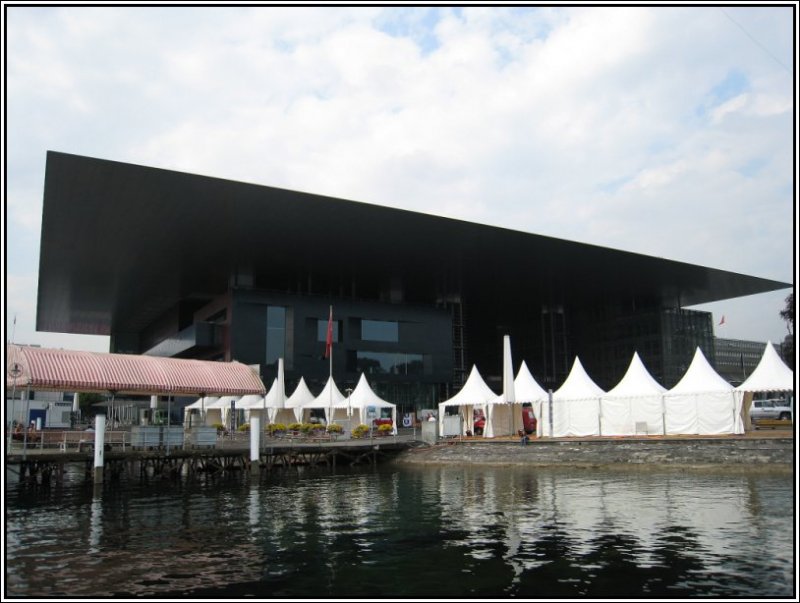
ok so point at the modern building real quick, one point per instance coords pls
(175, 264)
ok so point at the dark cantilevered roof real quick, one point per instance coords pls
(59, 370)
(122, 244)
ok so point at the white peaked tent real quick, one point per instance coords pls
(252, 405)
(301, 396)
(249, 401)
(218, 410)
(275, 402)
(702, 402)
(329, 396)
(576, 406)
(771, 375)
(362, 399)
(200, 406)
(635, 401)
(503, 415)
(473, 393)
(527, 389)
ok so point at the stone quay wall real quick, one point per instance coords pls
(690, 453)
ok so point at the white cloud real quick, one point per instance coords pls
(658, 130)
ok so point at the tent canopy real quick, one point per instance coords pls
(771, 374)
(526, 389)
(70, 370)
(636, 382)
(301, 397)
(700, 377)
(329, 396)
(363, 396)
(474, 391)
(578, 385)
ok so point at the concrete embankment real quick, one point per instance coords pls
(728, 453)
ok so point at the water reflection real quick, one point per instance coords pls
(411, 532)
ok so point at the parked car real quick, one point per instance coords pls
(770, 409)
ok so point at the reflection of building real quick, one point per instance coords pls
(736, 358)
(181, 265)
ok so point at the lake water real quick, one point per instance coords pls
(406, 532)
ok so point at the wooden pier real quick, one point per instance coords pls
(46, 465)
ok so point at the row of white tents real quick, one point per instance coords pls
(701, 403)
(361, 406)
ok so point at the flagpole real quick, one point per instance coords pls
(329, 343)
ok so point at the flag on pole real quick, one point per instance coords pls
(329, 337)
(722, 321)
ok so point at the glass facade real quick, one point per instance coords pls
(322, 330)
(380, 330)
(389, 363)
(276, 333)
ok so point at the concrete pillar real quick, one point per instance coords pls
(76, 402)
(99, 445)
(255, 444)
(153, 402)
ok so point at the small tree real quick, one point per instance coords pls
(787, 314)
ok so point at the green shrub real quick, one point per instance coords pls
(384, 428)
(244, 427)
(274, 427)
(334, 428)
(294, 426)
(219, 426)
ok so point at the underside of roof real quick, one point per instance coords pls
(68, 370)
(124, 244)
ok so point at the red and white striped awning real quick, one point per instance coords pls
(70, 370)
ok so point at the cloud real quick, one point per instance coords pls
(657, 130)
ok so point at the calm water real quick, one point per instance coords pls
(446, 532)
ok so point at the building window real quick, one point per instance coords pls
(276, 333)
(322, 330)
(390, 363)
(379, 330)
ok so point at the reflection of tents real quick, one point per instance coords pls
(362, 399)
(771, 375)
(636, 400)
(702, 402)
(576, 406)
(473, 393)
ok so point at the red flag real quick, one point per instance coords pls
(722, 322)
(329, 337)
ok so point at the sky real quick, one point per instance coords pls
(666, 131)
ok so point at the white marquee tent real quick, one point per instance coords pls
(503, 415)
(301, 396)
(328, 399)
(526, 389)
(702, 402)
(362, 399)
(635, 405)
(474, 393)
(576, 406)
(771, 375)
